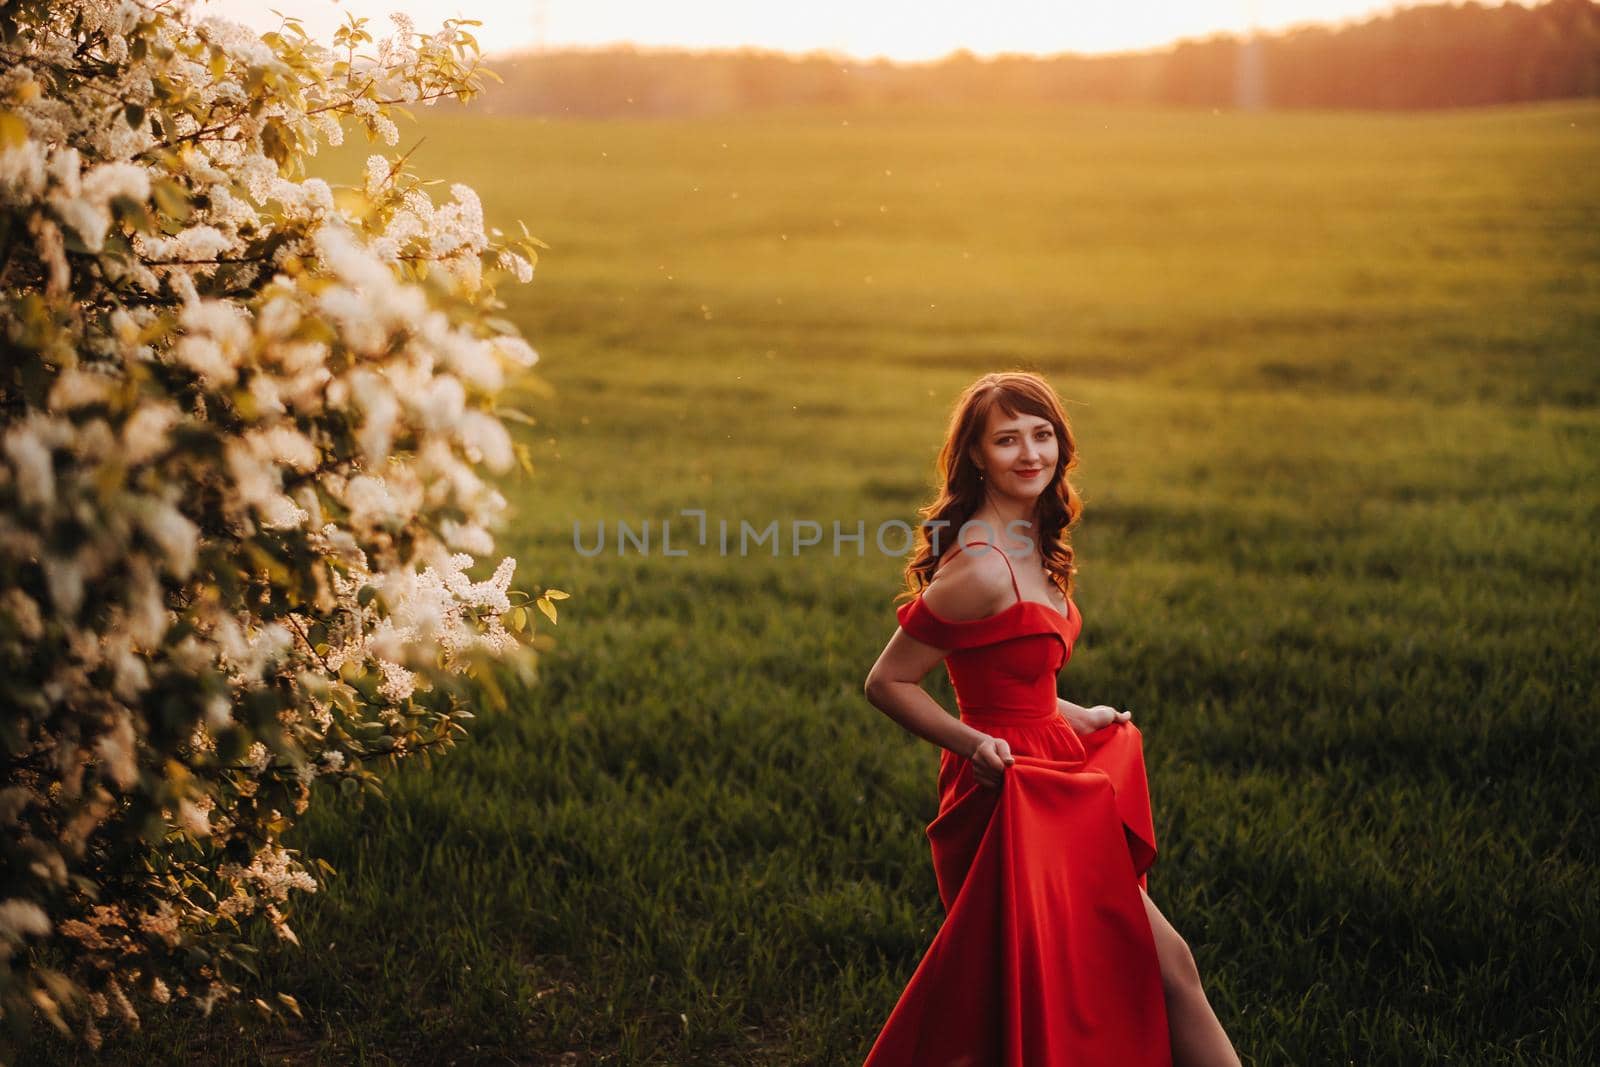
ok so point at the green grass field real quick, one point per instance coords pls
(1334, 379)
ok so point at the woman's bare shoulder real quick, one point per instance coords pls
(971, 584)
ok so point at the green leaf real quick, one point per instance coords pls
(171, 199)
(134, 214)
(13, 130)
(277, 141)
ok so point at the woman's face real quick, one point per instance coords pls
(1018, 454)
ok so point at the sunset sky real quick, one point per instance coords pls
(899, 29)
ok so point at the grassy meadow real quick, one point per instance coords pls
(1334, 379)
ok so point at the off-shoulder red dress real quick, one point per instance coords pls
(1045, 957)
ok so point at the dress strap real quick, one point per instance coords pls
(972, 544)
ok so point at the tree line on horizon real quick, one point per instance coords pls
(1428, 56)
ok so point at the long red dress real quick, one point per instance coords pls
(1045, 957)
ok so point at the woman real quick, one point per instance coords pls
(1051, 951)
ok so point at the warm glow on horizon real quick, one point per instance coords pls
(908, 30)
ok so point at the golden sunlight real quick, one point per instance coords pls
(898, 29)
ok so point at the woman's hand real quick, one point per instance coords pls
(1088, 720)
(990, 760)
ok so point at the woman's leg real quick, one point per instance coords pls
(1197, 1037)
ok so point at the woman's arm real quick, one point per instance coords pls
(894, 687)
(1088, 720)
(971, 586)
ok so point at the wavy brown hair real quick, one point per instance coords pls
(961, 491)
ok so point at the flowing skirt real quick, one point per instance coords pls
(1045, 957)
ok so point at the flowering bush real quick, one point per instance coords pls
(244, 419)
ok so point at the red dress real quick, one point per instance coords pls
(1045, 957)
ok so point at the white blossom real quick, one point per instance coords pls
(443, 402)
(116, 748)
(22, 171)
(63, 577)
(519, 266)
(232, 387)
(110, 181)
(23, 611)
(487, 440)
(377, 174)
(398, 683)
(76, 388)
(331, 131)
(193, 819)
(468, 537)
(22, 918)
(144, 435)
(516, 350)
(381, 410)
(176, 536)
(475, 360)
(206, 358)
(282, 513)
(197, 243)
(32, 466)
